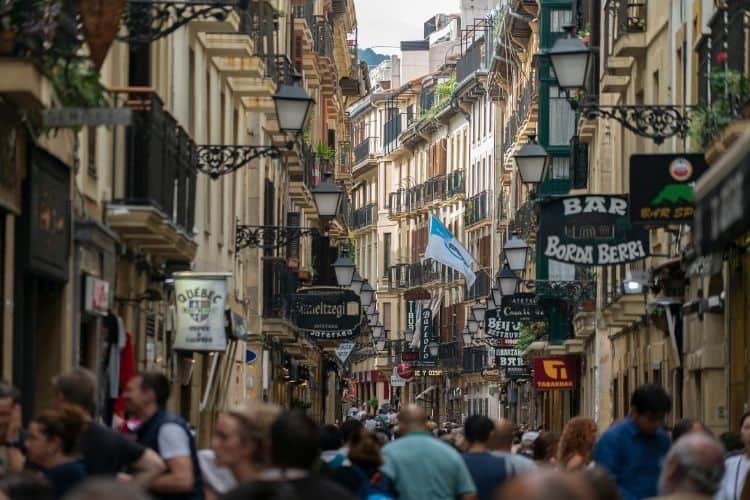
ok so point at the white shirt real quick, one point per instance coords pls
(173, 441)
(220, 479)
(736, 469)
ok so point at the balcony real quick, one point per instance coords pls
(481, 287)
(522, 121)
(455, 183)
(157, 210)
(278, 285)
(470, 62)
(477, 208)
(365, 216)
(364, 155)
(305, 174)
(391, 130)
(418, 274)
(474, 359)
(625, 28)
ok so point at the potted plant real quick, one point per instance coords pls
(657, 316)
(373, 403)
(585, 34)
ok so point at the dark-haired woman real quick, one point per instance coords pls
(363, 477)
(52, 445)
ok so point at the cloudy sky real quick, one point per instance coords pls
(385, 23)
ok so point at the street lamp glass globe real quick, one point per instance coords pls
(570, 59)
(380, 345)
(344, 268)
(473, 325)
(516, 250)
(479, 309)
(373, 318)
(356, 284)
(434, 348)
(377, 331)
(327, 196)
(292, 105)
(466, 336)
(497, 294)
(508, 281)
(531, 161)
(366, 294)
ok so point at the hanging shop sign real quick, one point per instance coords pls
(327, 313)
(412, 312)
(555, 373)
(343, 351)
(522, 307)
(49, 216)
(405, 371)
(201, 301)
(96, 296)
(428, 373)
(507, 331)
(425, 331)
(410, 356)
(723, 200)
(250, 356)
(661, 188)
(591, 230)
(237, 328)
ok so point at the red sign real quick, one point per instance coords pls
(555, 373)
(410, 356)
(405, 371)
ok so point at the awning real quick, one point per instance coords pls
(723, 198)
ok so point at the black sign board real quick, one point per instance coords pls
(425, 332)
(506, 331)
(49, 216)
(590, 230)
(522, 307)
(327, 313)
(661, 188)
(412, 310)
(721, 213)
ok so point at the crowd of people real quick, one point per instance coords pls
(268, 453)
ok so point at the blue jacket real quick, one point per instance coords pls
(632, 458)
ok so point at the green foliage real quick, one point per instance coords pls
(77, 84)
(530, 333)
(325, 151)
(373, 403)
(707, 121)
(445, 89)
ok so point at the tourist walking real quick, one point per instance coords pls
(632, 449)
(692, 469)
(501, 444)
(487, 470)
(167, 434)
(735, 485)
(422, 466)
(363, 476)
(544, 449)
(577, 443)
(11, 432)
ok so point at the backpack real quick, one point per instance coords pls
(377, 487)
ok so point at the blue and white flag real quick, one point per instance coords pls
(443, 247)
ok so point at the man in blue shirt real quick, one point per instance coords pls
(423, 467)
(632, 450)
(487, 470)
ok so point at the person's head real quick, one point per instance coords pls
(501, 438)
(546, 484)
(146, 393)
(745, 431)
(601, 483)
(686, 426)
(10, 401)
(578, 438)
(545, 447)
(694, 464)
(54, 435)
(477, 429)
(77, 387)
(649, 405)
(348, 429)
(330, 438)
(241, 436)
(26, 486)
(732, 441)
(412, 419)
(364, 450)
(98, 488)
(294, 441)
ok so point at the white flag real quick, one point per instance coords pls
(443, 247)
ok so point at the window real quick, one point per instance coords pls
(91, 151)
(558, 19)
(386, 253)
(560, 168)
(387, 315)
(191, 91)
(561, 118)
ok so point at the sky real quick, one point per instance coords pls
(388, 22)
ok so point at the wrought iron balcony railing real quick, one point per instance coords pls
(470, 62)
(322, 37)
(524, 105)
(278, 285)
(474, 359)
(160, 160)
(364, 149)
(391, 130)
(622, 18)
(477, 208)
(305, 11)
(481, 287)
(455, 182)
(365, 216)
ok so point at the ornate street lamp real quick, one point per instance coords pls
(515, 252)
(497, 293)
(366, 294)
(571, 60)
(344, 268)
(377, 331)
(473, 325)
(357, 282)
(532, 160)
(293, 105)
(466, 336)
(478, 311)
(327, 196)
(434, 348)
(380, 345)
(507, 280)
(372, 318)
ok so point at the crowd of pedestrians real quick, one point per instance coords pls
(266, 453)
